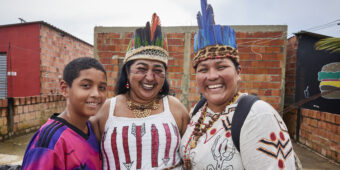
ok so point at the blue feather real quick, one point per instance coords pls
(210, 26)
(232, 38)
(209, 33)
(218, 34)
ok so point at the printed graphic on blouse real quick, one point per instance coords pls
(158, 153)
(277, 145)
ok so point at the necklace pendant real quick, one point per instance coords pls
(193, 144)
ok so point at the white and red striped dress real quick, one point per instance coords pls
(140, 143)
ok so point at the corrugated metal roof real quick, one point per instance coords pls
(312, 34)
(48, 25)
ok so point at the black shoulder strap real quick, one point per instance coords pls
(198, 106)
(240, 115)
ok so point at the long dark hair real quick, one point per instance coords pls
(120, 87)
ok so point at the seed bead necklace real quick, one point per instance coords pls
(199, 131)
(142, 110)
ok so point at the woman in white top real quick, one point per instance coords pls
(207, 144)
(141, 127)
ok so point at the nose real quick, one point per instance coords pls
(95, 92)
(149, 75)
(212, 74)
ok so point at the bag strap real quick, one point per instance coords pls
(198, 106)
(240, 115)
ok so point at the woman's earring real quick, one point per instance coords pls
(127, 85)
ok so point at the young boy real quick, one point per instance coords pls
(66, 140)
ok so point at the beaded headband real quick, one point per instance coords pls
(148, 43)
(213, 41)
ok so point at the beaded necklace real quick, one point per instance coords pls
(142, 110)
(199, 131)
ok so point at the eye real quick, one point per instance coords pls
(142, 69)
(86, 86)
(102, 88)
(158, 71)
(202, 70)
(221, 67)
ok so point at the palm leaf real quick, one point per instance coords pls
(328, 44)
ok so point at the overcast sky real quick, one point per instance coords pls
(79, 17)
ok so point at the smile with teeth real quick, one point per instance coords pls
(215, 86)
(148, 86)
(93, 103)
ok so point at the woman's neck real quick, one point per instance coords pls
(219, 108)
(136, 99)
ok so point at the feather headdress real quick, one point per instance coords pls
(213, 41)
(148, 43)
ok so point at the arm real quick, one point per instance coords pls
(98, 121)
(180, 114)
(264, 140)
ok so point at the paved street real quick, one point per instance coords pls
(12, 151)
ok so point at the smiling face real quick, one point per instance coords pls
(146, 78)
(217, 80)
(86, 94)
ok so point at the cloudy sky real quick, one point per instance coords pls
(79, 17)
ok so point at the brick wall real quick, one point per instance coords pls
(321, 132)
(3, 117)
(27, 114)
(261, 48)
(290, 117)
(318, 130)
(57, 49)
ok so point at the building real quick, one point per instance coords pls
(32, 58)
(261, 49)
(313, 114)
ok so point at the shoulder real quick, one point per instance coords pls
(176, 105)
(50, 134)
(263, 114)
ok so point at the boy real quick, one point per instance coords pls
(66, 140)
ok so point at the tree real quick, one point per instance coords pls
(329, 44)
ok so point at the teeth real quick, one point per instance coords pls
(215, 86)
(148, 86)
(92, 103)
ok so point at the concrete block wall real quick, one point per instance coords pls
(56, 50)
(321, 132)
(262, 51)
(29, 113)
(3, 117)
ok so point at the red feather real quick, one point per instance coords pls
(154, 22)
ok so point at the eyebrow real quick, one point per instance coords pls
(146, 65)
(91, 81)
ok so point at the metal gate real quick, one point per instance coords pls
(3, 76)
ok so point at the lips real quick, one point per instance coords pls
(148, 86)
(215, 86)
(93, 104)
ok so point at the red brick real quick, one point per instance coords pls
(114, 35)
(127, 35)
(330, 117)
(337, 120)
(22, 100)
(179, 42)
(175, 35)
